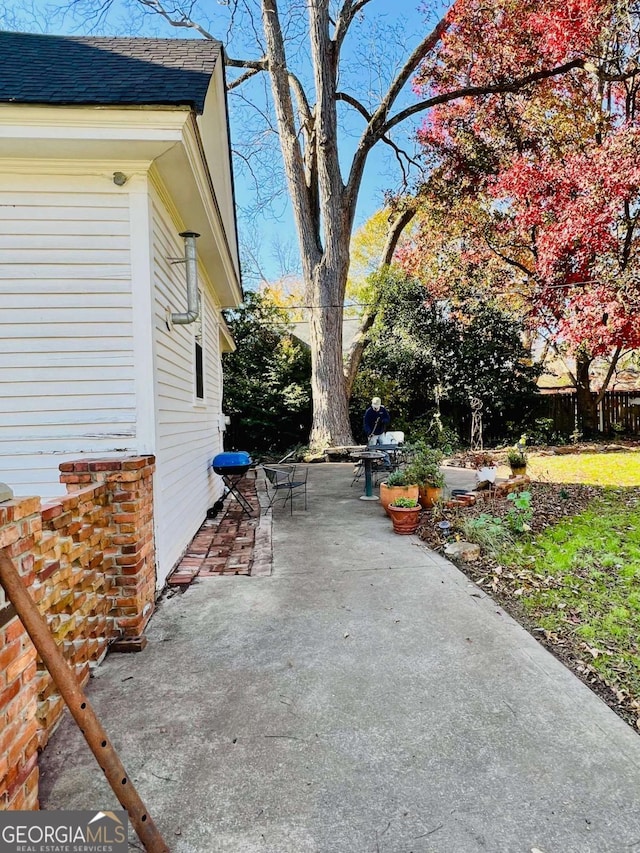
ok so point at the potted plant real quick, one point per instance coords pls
(485, 464)
(517, 459)
(425, 469)
(399, 484)
(405, 515)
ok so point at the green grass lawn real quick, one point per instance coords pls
(580, 578)
(603, 469)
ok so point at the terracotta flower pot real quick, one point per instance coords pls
(388, 494)
(429, 496)
(517, 472)
(405, 519)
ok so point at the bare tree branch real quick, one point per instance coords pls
(376, 128)
(185, 21)
(610, 371)
(243, 78)
(346, 16)
(355, 103)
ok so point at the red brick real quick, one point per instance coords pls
(125, 518)
(75, 479)
(71, 502)
(21, 546)
(17, 666)
(9, 535)
(23, 772)
(14, 630)
(106, 465)
(24, 507)
(8, 654)
(134, 464)
(48, 570)
(8, 693)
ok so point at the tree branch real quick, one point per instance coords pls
(376, 127)
(471, 91)
(353, 102)
(185, 21)
(607, 379)
(345, 18)
(242, 78)
(511, 261)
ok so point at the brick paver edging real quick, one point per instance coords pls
(231, 543)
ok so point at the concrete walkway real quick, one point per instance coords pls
(365, 698)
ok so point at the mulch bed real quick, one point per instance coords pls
(551, 503)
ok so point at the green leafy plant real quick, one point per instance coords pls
(490, 533)
(519, 516)
(401, 478)
(424, 467)
(516, 457)
(404, 503)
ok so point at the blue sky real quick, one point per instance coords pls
(376, 44)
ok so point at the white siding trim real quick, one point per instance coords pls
(188, 433)
(143, 337)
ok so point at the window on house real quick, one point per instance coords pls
(199, 354)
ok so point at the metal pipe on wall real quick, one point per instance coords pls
(193, 300)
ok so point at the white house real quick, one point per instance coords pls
(110, 148)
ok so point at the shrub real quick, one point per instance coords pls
(519, 516)
(424, 467)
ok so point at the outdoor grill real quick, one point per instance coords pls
(232, 467)
(232, 463)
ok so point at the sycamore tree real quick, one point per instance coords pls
(300, 50)
(554, 177)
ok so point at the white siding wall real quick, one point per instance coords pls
(188, 430)
(66, 350)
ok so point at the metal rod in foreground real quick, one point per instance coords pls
(79, 706)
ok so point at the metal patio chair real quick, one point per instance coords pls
(285, 479)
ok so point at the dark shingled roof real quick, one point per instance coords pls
(43, 69)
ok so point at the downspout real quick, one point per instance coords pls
(193, 301)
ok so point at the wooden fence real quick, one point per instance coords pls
(616, 408)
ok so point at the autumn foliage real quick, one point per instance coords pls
(544, 184)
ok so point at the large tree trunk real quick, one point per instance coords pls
(586, 401)
(330, 410)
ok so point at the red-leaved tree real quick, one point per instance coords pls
(552, 176)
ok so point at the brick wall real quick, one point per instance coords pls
(88, 560)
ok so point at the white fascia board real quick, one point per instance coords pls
(227, 343)
(180, 176)
(207, 190)
(88, 133)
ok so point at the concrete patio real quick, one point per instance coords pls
(364, 698)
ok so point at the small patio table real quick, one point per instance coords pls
(368, 457)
